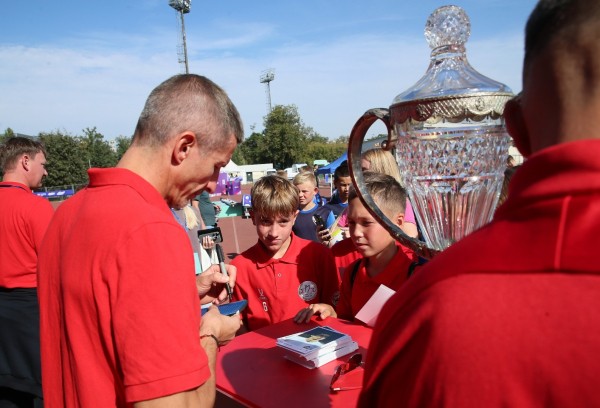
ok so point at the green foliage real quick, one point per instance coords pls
(285, 135)
(97, 151)
(285, 140)
(123, 143)
(69, 157)
(66, 165)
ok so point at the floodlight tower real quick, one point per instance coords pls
(182, 7)
(266, 77)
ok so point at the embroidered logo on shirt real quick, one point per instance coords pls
(263, 299)
(307, 290)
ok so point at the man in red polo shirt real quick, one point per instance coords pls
(510, 315)
(120, 311)
(24, 218)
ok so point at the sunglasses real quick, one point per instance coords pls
(348, 376)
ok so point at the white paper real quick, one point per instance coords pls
(369, 312)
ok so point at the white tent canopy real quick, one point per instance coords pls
(231, 167)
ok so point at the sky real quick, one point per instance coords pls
(69, 65)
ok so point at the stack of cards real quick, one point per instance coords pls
(315, 347)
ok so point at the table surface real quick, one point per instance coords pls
(252, 370)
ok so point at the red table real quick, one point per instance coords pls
(252, 371)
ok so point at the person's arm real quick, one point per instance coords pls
(224, 329)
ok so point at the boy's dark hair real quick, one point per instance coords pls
(341, 171)
(15, 147)
(557, 20)
(387, 193)
(273, 196)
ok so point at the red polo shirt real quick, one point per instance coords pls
(24, 218)
(276, 289)
(510, 315)
(119, 308)
(353, 296)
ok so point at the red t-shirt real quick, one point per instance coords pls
(24, 218)
(119, 308)
(353, 296)
(276, 289)
(510, 315)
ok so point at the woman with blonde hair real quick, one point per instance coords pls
(382, 161)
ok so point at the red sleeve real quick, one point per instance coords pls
(156, 314)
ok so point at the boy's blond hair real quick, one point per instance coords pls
(305, 177)
(387, 193)
(273, 196)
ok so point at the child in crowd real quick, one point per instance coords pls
(336, 221)
(281, 272)
(305, 227)
(383, 262)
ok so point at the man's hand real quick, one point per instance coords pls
(323, 309)
(221, 326)
(211, 284)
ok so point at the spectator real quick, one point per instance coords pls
(24, 218)
(304, 226)
(208, 210)
(382, 161)
(337, 222)
(119, 301)
(508, 316)
(282, 272)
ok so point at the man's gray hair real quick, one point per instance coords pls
(188, 102)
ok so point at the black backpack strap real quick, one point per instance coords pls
(354, 271)
(413, 266)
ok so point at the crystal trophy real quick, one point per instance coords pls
(450, 138)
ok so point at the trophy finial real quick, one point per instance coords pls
(447, 26)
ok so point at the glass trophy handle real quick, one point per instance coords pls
(354, 159)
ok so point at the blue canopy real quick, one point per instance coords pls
(330, 168)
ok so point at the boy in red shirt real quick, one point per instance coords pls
(281, 272)
(383, 262)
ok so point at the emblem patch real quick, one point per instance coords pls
(307, 290)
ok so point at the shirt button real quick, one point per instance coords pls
(279, 275)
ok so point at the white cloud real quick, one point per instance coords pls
(103, 81)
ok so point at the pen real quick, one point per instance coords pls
(221, 259)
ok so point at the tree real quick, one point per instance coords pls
(250, 150)
(97, 151)
(7, 134)
(123, 143)
(285, 137)
(66, 165)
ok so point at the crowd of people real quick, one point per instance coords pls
(100, 300)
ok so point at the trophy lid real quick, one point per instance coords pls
(450, 76)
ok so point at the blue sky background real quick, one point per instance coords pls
(66, 65)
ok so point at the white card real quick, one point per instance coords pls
(369, 312)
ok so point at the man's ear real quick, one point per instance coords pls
(183, 146)
(25, 162)
(516, 126)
